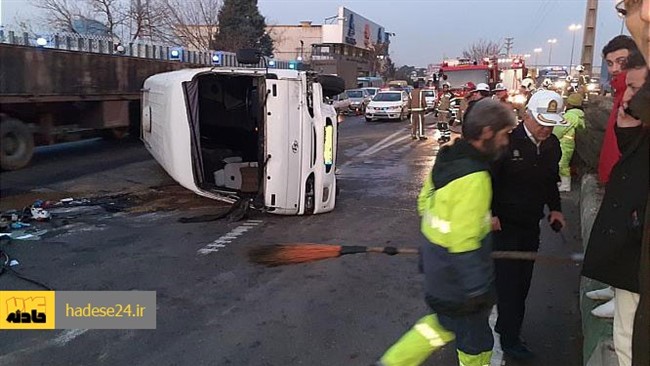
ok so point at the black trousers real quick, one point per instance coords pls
(513, 277)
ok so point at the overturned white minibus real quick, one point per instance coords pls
(226, 133)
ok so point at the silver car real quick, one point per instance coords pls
(359, 99)
(341, 103)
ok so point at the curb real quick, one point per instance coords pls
(598, 345)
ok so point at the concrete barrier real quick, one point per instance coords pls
(598, 346)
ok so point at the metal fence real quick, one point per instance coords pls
(106, 45)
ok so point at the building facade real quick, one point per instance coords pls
(349, 46)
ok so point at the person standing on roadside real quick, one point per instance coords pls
(575, 116)
(418, 107)
(524, 182)
(454, 206)
(615, 52)
(614, 250)
(637, 19)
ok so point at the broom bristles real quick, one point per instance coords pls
(278, 255)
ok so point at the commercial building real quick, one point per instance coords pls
(347, 45)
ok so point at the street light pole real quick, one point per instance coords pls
(537, 51)
(551, 42)
(573, 28)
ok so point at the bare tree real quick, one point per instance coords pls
(481, 49)
(378, 58)
(111, 13)
(24, 25)
(60, 13)
(193, 22)
(126, 20)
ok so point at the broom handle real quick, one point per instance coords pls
(528, 256)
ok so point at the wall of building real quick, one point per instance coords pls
(347, 70)
(286, 40)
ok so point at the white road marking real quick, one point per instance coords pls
(60, 340)
(376, 146)
(68, 335)
(384, 146)
(227, 238)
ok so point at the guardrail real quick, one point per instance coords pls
(106, 45)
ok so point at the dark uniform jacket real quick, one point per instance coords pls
(640, 105)
(525, 179)
(614, 249)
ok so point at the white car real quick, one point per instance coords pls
(371, 90)
(388, 105)
(430, 96)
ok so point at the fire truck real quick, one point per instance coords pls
(459, 72)
(512, 70)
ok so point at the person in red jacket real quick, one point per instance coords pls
(615, 52)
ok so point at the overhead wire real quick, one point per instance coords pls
(542, 17)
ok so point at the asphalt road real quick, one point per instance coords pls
(219, 309)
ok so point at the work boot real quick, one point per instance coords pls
(605, 310)
(518, 351)
(606, 293)
(565, 184)
(423, 137)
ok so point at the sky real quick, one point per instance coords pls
(429, 30)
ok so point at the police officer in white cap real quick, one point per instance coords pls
(524, 183)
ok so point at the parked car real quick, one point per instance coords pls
(430, 96)
(388, 105)
(359, 99)
(341, 103)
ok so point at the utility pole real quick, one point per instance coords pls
(509, 42)
(588, 42)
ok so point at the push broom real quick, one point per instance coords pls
(279, 255)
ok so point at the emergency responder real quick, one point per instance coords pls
(468, 91)
(583, 80)
(526, 89)
(455, 252)
(524, 181)
(568, 87)
(443, 113)
(575, 117)
(500, 93)
(444, 103)
(418, 106)
(481, 91)
(547, 84)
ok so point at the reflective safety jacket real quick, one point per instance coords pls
(455, 208)
(566, 135)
